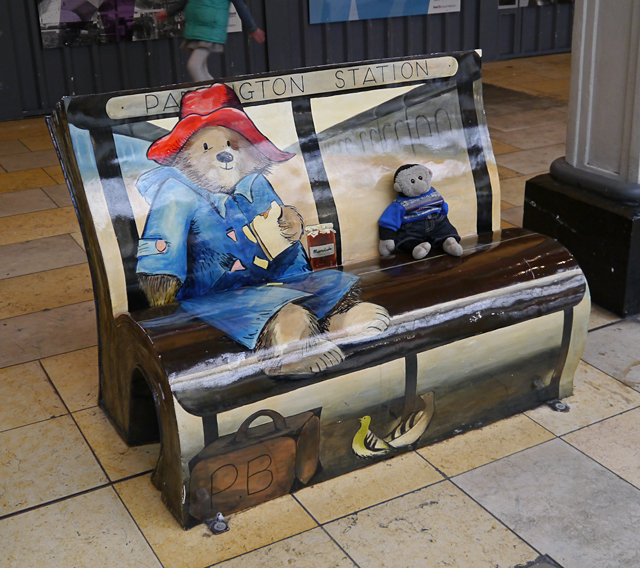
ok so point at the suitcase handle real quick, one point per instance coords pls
(278, 421)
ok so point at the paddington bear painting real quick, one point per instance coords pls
(219, 240)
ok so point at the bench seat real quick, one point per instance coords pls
(515, 277)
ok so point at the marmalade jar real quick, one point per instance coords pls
(321, 242)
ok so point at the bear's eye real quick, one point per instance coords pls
(205, 146)
(420, 178)
(413, 181)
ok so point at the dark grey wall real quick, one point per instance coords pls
(33, 79)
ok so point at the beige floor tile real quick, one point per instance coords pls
(8, 147)
(502, 148)
(38, 225)
(23, 123)
(512, 189)
(87, 531)
(489, 74)
(507, 64)
(513, 215)
(505, 225)
(596, 396)
(37, 143)
(23, 128)
(365, 487)
(535, 137)
(519, 88)
(45, 461)
(559, 58)
(27, 396)
(526, 119)
(554, 71)
(436, 527)
(615, 443)
(77, 237)
(548, 85)
(56, 173)
(59, 194)
(600, 316)
(518, 77)
(532, 161)
(479, 447)
(19, 259)
(27, 201)
(529, 91)
(28, 179)
(75, 376)
(562, 96)
(555, 59)
(563, 503)
(506, 173)
(45, 290)
(251, 529)
(505, 205)
(44, 334)
(19, 162)
(312, 549)
(547, 70)
(117, 459)
(556, 95)
(499, 108)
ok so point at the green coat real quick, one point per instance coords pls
(206, 20)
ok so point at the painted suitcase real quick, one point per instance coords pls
(255, 464)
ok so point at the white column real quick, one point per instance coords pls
(603, 136)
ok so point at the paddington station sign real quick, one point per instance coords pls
(306, 83)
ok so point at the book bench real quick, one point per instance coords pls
(205, 210)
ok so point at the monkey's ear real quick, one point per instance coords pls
(397, 187)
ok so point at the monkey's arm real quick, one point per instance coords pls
(388, 226)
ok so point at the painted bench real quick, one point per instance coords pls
(191, 336)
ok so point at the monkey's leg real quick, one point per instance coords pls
(452, 247)
(421, 250)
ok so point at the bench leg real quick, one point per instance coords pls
(138, 399)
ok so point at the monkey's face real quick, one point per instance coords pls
(217, 158)
(413, 181)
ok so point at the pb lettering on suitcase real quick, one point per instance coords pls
(255, 464)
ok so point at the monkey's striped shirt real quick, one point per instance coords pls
(408, 209)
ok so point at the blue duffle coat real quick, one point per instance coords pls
(228, 280)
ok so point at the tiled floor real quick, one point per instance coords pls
(72, 494)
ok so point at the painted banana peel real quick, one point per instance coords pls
(366, 444)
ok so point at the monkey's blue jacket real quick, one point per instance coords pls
(204, 239)
(409, 209)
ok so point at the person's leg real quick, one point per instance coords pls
(197, 65)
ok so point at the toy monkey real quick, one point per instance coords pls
(417, 219)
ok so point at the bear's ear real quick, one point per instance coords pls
(397, 187)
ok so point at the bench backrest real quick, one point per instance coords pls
(350, 127)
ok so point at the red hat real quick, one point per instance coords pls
(217, 105)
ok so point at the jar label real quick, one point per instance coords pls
(322, 250)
